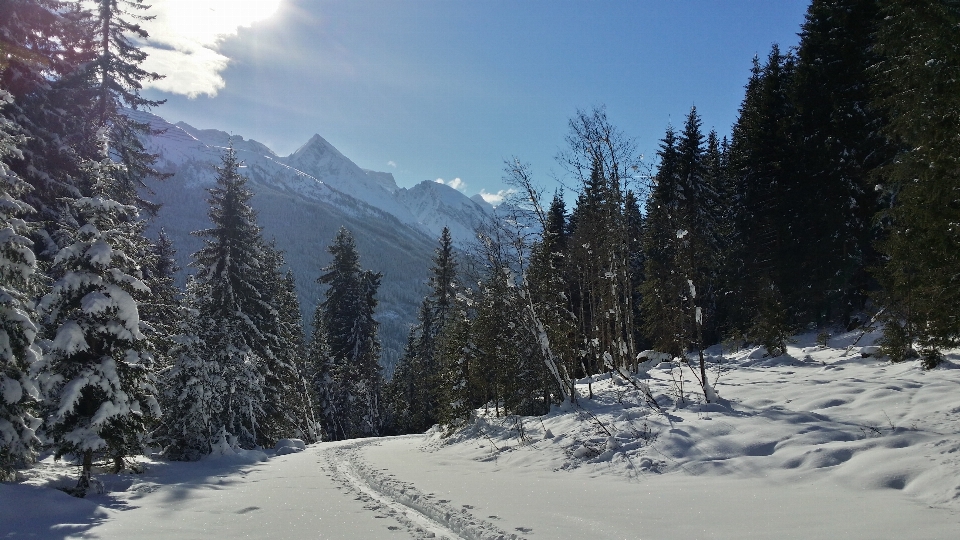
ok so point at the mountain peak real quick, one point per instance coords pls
(316, 146)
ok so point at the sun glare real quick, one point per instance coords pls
(206, 20)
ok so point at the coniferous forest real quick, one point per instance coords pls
(834, 202)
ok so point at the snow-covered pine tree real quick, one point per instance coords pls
(99, 368)
(230, 283)
(288, 406)
(458, 397)
(662, 314)
(162, 311)
(548, 279)
(603, 161)
(18, 328)
(193, 389)
(114, 79)
(353, 380)
(320, 374)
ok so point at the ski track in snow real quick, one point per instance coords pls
(422, 515)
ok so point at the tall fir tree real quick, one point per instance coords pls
(919, 89)
(761, 166)
(18, 325)
(603, 160)
(193, 389)
(230, 285)
(415, 387)
(662, 314)
(352, 382)
(839, 136)
(99, 366)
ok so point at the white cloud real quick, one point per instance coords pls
(184, 38)
(498, 197)
(392, 164)
(456, 183)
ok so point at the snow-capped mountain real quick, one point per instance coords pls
(435, 206)
(302, 200)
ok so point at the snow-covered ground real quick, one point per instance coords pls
(813, 444)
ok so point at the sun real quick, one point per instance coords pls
(206, 20)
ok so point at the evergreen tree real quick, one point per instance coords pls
(919, 90)
(840, 140)
(662, 313)
(458, 388)
(112, 82)
(99, 362)
(233, 312)
(635, 223)
(551, 282)
(193, 390)
(415, 388)
(162, 310)
(352, 382)
(288, 406)
(603, 160)
(18, 328)
(761, 165)
(37, 39)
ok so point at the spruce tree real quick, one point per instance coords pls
(193, 389)
(230, 284)
(841, 143)
(919, 89)
(663, 314)
(18, 326)
(99, 365)
(415, 387)
(114, 79)
(603, 160)
(352, 381)
(761, 166)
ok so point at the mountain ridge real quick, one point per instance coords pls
(302, 200)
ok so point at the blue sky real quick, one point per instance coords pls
(430, 89)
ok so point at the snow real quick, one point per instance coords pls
(317, 171)
(10, 390)
(70, 338)
(810, 444)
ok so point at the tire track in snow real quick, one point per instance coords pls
(421, 514)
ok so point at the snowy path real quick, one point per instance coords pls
(327, 491)
(420, 513)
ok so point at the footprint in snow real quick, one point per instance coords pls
(248, 509)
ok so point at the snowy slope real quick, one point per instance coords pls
(435, 206)
(813, 444)
(319, 172)
(302, 213)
